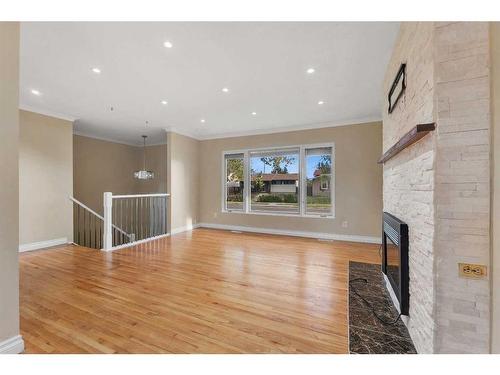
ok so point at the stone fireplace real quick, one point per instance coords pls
(439, 186)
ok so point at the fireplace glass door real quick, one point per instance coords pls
(393, 262)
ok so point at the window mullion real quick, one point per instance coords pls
(246, 177)
(302, 183)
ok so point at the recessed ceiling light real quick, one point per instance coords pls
(310, 71)
(168, 44)
(225, 89)
(36, 92)
(202, 120)
(321, 102)
(164, 102)
(96, 70)
(254, 113)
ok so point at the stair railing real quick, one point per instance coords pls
(142, 215)
(88, 227)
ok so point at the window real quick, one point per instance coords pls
(318, 178)
(294, 181)
(275, 181)
(235, 182)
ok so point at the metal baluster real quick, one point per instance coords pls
(75, 223)
(166, 214)
(99, 237)
(84, 228)
(112, 228)
(145, 217)
(163, 215)
(78, 225)
(136, 230)
(95, 232)
(121, 220)
(113, 216)
(154, 216)
(127, 218)
(131, 213)
(91, 218)
(150, 217)
(159, 215)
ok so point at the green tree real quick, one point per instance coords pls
(267, 160)
(278, 164)
(258, 182)
(235, 170)
(325, 164)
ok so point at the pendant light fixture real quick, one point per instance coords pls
(144, 174)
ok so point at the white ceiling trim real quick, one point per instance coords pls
(359, 121)
(105, 139)
(44, 112)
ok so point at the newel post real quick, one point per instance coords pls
(108, 217)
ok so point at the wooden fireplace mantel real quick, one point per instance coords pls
(406, 140)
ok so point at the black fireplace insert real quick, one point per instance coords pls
(395, 259)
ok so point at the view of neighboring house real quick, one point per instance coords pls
(320, 186)
(276, 183)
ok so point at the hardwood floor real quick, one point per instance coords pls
(205, 291)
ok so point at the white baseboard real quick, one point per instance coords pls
(43, 244)
(135, 243)
(14, 345)
(322, 236)
(184, 229)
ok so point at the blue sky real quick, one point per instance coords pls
(312, 161)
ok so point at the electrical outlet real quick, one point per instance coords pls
(345, 224)
(473, 271)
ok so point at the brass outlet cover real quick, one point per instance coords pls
(472, 271)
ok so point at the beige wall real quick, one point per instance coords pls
(183, 181)
(45, 178)
(9, 188)
(101, 166)
(156, 159)
(358, 180)
(495, 169)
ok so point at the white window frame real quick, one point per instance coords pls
(302, 181)
(224, 182)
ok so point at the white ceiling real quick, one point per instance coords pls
(263, 65)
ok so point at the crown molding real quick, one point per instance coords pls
(105, 139)
(327, 124)
(44, 112)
